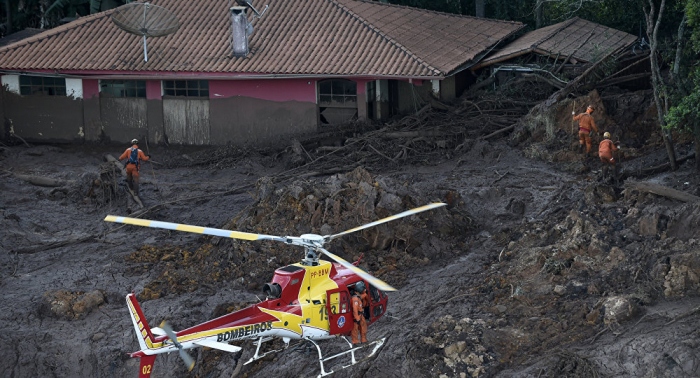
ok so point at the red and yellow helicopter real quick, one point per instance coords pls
(309, 301)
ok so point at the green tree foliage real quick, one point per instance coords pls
(685, 115)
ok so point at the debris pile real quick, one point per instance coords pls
(324, 207)
(454, 347)
(342, 202)
(71, 305)
(592, 271)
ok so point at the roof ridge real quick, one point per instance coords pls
(374, 2)
(57, 30)
(385, 36)
(565, 24)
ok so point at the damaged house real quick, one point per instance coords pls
(307, 65)
(559, 49)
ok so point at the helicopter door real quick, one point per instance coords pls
(339, 311)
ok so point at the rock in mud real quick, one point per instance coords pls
(618, 310)
(683, 276)
(71, 305)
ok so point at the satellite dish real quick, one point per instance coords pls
(145, 20)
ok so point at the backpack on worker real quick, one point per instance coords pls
(134, 157)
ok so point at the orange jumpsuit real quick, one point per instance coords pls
(359, 318)
(605, 151)
(132, 170)
(585, 124)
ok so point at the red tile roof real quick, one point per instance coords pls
(295, 37)
(563, 39)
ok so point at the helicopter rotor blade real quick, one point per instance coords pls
(186, 358)
(376, 282)
(193, 229)
(388, 219)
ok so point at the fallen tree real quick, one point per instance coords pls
(661, 190)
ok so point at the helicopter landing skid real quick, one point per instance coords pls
(258, 343)
(374, 344)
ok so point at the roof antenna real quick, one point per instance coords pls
(146, 20)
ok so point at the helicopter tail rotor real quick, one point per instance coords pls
(186, 358)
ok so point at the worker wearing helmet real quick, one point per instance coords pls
(586, 123)
(134, 156)
(605, 151)
(358, 314)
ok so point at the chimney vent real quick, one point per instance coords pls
(241, 30)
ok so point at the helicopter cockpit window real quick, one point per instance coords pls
(374, 293)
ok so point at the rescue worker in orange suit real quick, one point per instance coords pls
(605, 151)
(586, 123)
(134, 156)
(358, 314)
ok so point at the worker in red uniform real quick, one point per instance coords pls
(586, 123)
(358, 314)
(134, 156)
(605, 151)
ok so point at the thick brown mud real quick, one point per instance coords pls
(536, 268)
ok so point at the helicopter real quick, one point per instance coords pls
(308, 301)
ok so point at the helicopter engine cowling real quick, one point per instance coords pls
(272, 290)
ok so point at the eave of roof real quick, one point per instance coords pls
(558, 40)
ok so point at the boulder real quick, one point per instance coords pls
(618, 309)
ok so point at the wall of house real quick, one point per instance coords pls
(412, 96)
(154, 112)
(261, 111)
(92, 123)
(448, 88)
(42, 118)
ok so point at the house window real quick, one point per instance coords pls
(123, 88)
(337, 101)
(186, 88)
(337, 93)
(36, 85)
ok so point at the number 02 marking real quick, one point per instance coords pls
(146, 369)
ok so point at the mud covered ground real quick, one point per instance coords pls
(535, 268)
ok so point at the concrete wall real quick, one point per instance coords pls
(92, 122)
(154, 112)
(44, 118)
(261, 111)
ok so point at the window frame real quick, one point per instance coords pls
(42, 86)
(128, 89)
(186, 88)
(337, 93)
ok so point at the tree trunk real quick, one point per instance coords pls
(653, 24)
(480, 11)
(679, 49)
(538, 14)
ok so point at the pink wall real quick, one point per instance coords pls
(153, 91)
(274, 90)
(91, 88)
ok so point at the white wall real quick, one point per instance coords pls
(74, 88)
(11, 82)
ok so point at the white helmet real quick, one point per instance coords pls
(134, 141)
